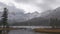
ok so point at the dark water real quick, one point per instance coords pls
(27, 31)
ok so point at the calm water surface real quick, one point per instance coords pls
(27, 31)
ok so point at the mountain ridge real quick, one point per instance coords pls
(41, 21)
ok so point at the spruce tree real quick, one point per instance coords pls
(4, 17)
(4, 20)
(52, 22)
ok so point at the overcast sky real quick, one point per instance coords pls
(19, 7)
(32, 5)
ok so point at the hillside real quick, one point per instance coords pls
(34, 22)
(42, 21)
(54, 13)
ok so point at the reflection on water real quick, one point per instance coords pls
(27, 32)
(22, 32)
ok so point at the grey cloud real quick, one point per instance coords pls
(19, 13)
(49, 4)
(15, 14)
(46, 5)
(49, 1)
(24, 1)
(1, 4)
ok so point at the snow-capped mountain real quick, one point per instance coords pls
(55, 13)
(20, 16)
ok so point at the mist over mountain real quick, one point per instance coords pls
(33, 22)
(53, 13)
(20, 16)
(17, 15)
(43, 20)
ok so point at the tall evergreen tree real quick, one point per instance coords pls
(53, 22)
(4, 17)
(4, 20)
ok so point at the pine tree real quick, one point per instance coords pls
(4, 20)
(4, 17)
(53, 22)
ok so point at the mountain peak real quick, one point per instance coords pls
(54, 13)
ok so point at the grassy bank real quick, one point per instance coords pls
(47, 30)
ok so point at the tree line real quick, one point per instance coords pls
(54, 22)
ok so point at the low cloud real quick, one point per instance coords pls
(16, 11)
(42, 4)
